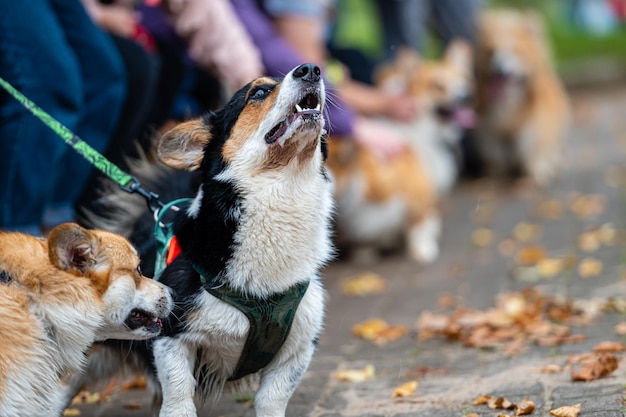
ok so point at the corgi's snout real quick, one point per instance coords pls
(307, 72)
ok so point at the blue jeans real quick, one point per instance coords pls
(53, 53)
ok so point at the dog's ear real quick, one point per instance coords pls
(183, 146)
(459, 54)
(72, 248)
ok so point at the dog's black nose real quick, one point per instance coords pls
(308, 72)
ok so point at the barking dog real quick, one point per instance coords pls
(380, 203)
(58, 297)
(523, 107)
(249, 300)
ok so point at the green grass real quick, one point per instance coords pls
(359, 28)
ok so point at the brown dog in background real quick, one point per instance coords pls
(523, 108)
(382, 204)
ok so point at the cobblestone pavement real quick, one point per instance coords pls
(476, 275)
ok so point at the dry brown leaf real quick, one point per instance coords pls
(566, 411)
(482, 237)
(379, 331)
(356, 375)
(550, 369)
(472, 415)
(607, 234)
(364, 284)
(620, 328)
(586, 206)
(482, 399)
(370, 328)
(406, 389)
(600, 365)
(526, 232)
(550, 209)
(589, 241)
(530, 255)
(71, 412)
(590, 267)
(500, 403)
(524, 407)
(86, 397)
(609, 347)
(549, 267)
(132, 406)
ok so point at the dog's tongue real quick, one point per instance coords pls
(464, 117)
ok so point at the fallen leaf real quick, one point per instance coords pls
(482, 399)
(379, 331)
(364, 284)
(472, 415)
(589, 241)
(600, 365)
(566, 411)
(356, 375)
(482, 237)
(530, 255)
(526, 232)
(587, 206)
(550, 369)
(405, 389)
(590, 267)
(524, 407)
(71, 412)
(500, 403)
(609, 347)
(607, 234)
(132, 406)
(550, 209)
(549, 267)
(620, 328)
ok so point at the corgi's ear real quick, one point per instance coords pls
(72, 248)
(183, 146)
(459, 54)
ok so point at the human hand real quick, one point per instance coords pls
(118, 20)
(379, 138)
(401, 107)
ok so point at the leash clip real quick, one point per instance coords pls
(152, 199)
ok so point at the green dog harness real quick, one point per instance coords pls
(270, 318)
(270, 322)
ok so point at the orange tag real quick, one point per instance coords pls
(173, 251)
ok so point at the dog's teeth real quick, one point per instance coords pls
(155, 319)
(298, 108)
(318, 107)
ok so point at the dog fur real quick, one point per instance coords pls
(258, 224)
(381, 203)
(58, 297)
(522, 105)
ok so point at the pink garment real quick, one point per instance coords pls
(217, 39)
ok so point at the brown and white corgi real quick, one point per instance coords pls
(380, 203)
(523, 107)
(59, 296)
(249, 300)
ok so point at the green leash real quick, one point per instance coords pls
(126, 182)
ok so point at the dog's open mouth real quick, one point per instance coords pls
(308, 108)
(462, 116)
(140, 318)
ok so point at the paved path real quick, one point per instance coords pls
(476, 275)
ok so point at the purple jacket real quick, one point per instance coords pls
(279, 58)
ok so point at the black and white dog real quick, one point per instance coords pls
(248, 294)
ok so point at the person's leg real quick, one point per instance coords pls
(36, 59)
(104, 80)
(403, 23)
(456, 19)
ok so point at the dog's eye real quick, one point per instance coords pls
(139, 269)
(259, 93)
